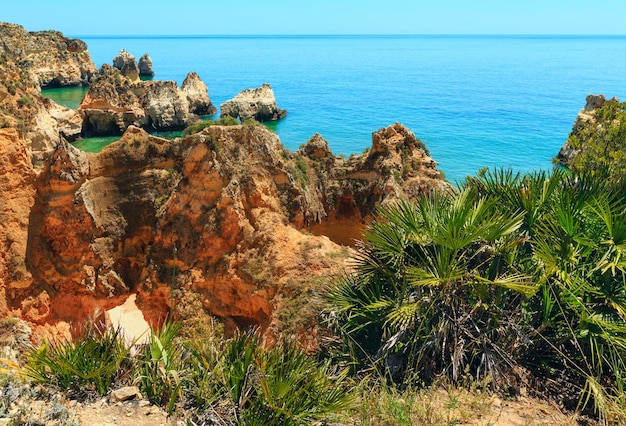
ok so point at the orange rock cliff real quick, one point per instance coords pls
(227, 213)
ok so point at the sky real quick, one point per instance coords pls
(245, 17)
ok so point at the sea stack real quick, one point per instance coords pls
(259, 104)
(127, 65)
(145, 66)
(197, 95)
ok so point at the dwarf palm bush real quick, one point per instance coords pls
(278, 385)
(513, 270)
(436, 289)
(159, 366)
(94, 361)
(294, 389)
(576, 230)
(580, 248)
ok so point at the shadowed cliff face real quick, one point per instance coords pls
(17, 192)
(29, 126)
(220, 213)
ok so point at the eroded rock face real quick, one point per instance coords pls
(67, 122)
(219, 213)
(17, 192)
(127, 65)
(197, 95)
(114, 102)
(145, 66)
(29, 61)
(397, 166)
(258, 104)
(48, 57)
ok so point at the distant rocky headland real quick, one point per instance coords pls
(227, 214)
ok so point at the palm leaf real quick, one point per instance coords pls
(519, 283)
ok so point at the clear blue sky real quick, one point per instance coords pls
(210, 17)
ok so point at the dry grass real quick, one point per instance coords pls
(445, 405)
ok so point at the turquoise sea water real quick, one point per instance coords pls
(475, 101)
(95, 144)
(68, 96)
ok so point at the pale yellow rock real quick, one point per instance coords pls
(130, 320)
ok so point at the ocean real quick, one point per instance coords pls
(475, 101)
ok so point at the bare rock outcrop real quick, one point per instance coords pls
(197, 95)
(127, 65)
(397, 166)
(48, 57)
(258, 104)
(114, 102)
(68, 122)
(145, 66)
(29, 61)
(219, 212)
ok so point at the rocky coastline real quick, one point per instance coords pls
(118, 99)
(221, 224)
(228, 213)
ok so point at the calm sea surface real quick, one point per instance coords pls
(475, 101)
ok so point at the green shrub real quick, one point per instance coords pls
(198, 127)
(25, 101)
(302, 169)
(227, 121)
(576, 232)
(251, 122)
(281, 385)
(159, 367)
(600, 143)
(95, 361)
(514, 272)
(434, 292)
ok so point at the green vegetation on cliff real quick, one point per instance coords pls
(598, 142)
(198, 127)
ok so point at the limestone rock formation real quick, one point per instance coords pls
(397, 166)
(197, 95)
(258, 104)
(145, 66)
(27, 62)
(17, 192)
(114, 102)
(220, 212)
(47, 57)
(127, 65)
(67, 122)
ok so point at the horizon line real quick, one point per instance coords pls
(353, 35)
